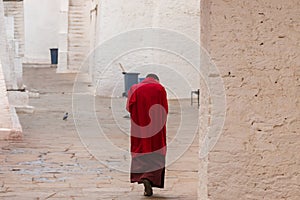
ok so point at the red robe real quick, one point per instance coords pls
(148, 107)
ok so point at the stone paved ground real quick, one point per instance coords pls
(51, 162)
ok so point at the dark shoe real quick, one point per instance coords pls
(148, 188)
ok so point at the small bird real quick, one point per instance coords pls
(66, 116)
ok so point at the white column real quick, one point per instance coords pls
(63, 37)
(94, 11)
(4, 49)
(15, 60)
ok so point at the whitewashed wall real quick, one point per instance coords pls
(41, 29)
(10, 127)
(118, 16)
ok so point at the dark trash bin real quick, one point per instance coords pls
(129, 80)
(54, 55)
(141, 79)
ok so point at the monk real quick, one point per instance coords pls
(148, 107)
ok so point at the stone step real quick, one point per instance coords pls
(74, 26)
(75, 16)
(82, 42)
(77, 55)
(78, 40)
(77, 3)
(77, 31)
(77, 7)
(78, 28)
(77, 11)
(78, 50)
(78, 46)
(78, 61)
(77, 23)
(77, 34)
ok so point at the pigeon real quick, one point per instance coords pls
(66, 116)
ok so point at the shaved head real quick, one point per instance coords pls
(153, 76)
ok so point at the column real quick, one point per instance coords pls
(62, 66)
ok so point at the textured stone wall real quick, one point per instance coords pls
(256, 46)
(16, 10)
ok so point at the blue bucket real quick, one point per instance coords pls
(54, 55)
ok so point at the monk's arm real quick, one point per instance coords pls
(130, 99)
(165, 100)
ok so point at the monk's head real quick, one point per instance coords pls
(154, 76)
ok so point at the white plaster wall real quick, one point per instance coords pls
(41, 29)
(5, 117)
(10, 127)
(118, 16)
